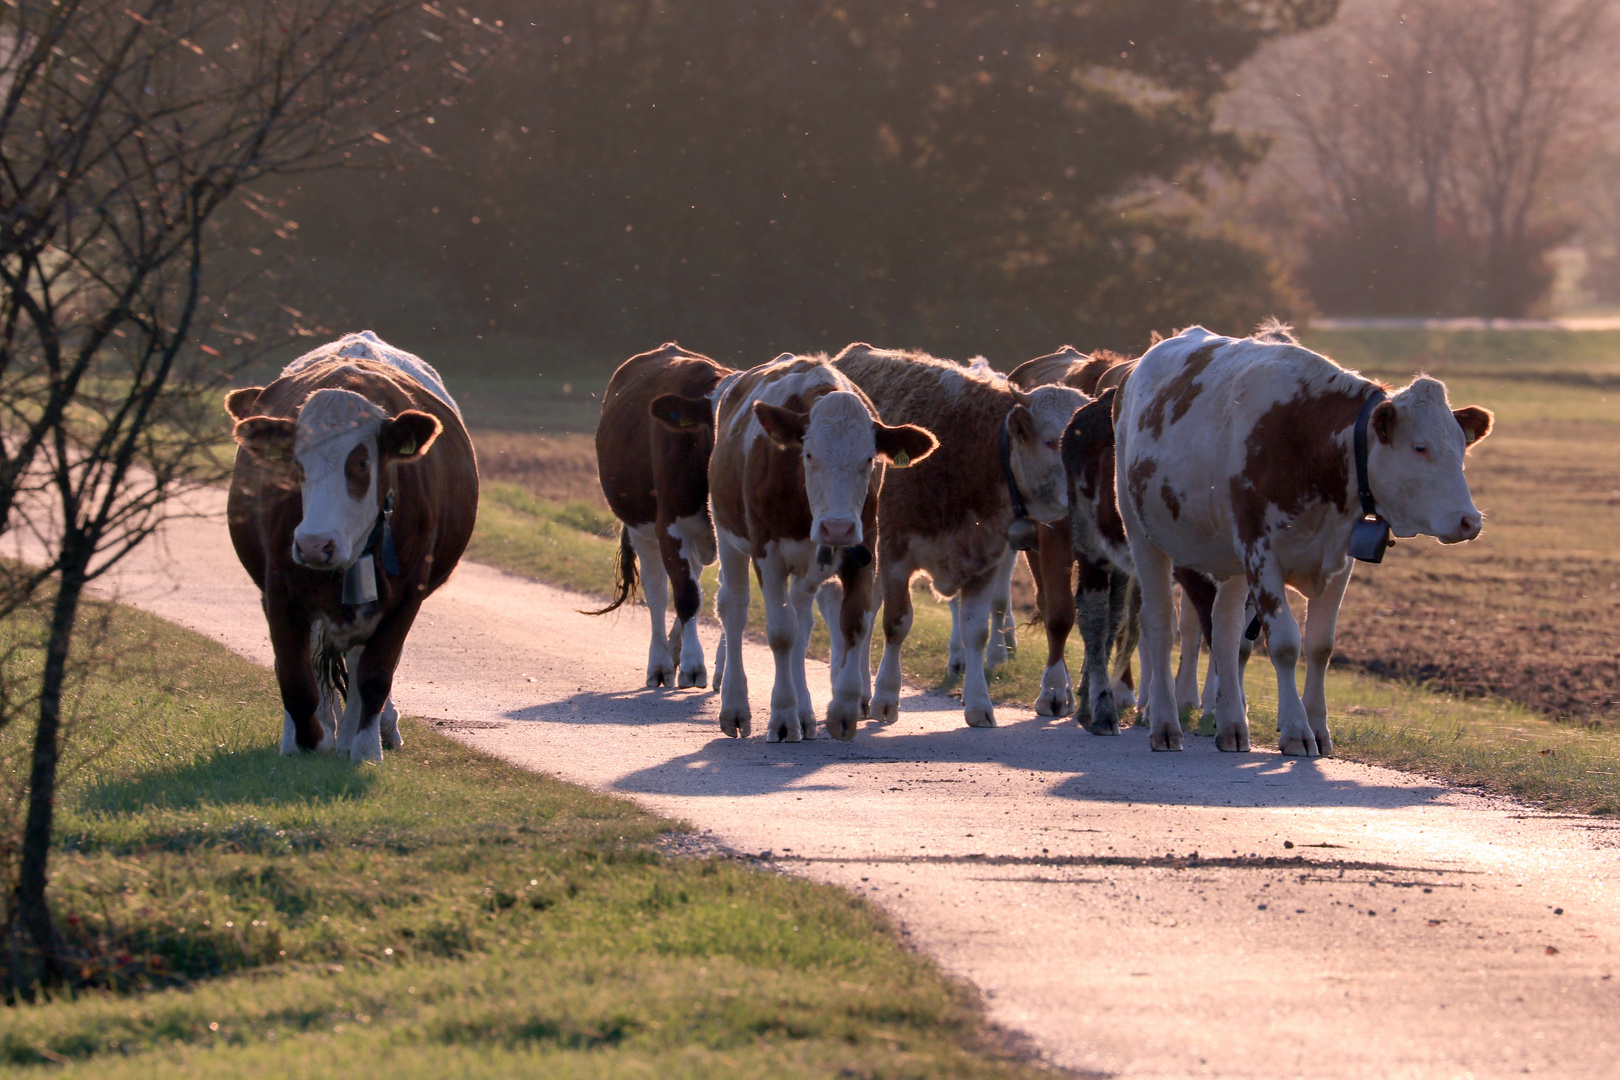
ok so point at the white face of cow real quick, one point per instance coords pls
(336, 450)
(839, 443)
(1415, 445)
(1035, 435)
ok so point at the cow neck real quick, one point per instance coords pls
(1020, 531)
(1370, 535)
(1369, 507)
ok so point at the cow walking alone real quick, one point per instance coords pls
(353, 496)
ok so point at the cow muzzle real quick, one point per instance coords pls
(836, 532)
(1467, 528)
(318, 551)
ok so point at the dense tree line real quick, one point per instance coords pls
(753, 176)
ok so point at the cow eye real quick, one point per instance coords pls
(1051, 444)
(1420, 448)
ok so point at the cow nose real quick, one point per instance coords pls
(1470, 526)
(838, 532)
(316, 550)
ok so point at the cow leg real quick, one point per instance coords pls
(1125, 599)
(1226, 627)
(896, 574)
(1096, 712)
(802, 597)
(976, 600)
(829, 599)
(782, 634)
(1294, 734)
(681, 544)
(1052, 570)
(655, 590)
(301, 727)
(954, 664)
(1158, 695)
(1321, 620)
(1003, 642)
(1192, 640)
(391, 738)
(851, 633)
(371, 678)
(349, 721)
(732, 603)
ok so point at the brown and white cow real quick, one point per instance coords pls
(354, 495)
(656, 479)
(798, 462)
(1052, 559)
(1237, 457)
(949, 515)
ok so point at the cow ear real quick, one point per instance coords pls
(408, 436)
(239, 403)
(680, 413)
(904, 444)
(1021, 424)
(1383, 422)
(784, 426)
(268, 438)
(1475, 422)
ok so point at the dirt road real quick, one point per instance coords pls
(1137, 914)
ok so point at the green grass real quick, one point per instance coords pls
(246, 914)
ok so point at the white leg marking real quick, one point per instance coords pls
(1321, 619)
(391, 738)
(366, 747)
(976, 707)
(1192, 641)
(955, 664)
(732, 602)
(1057, 692)
(289, 734)
(350, 722)
(1231, 710)
(655, 590)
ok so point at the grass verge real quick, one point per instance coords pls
(1484, 742)
(245, 914)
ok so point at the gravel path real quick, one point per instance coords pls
(1136, 914)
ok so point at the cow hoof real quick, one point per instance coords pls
(1295, 746)
(698, 676)
(983, 717)
(807, 724)
(736, 723)
(1100, 725)
(1164, 740)
(660, 677)
(866, 708)
(1124, 696)
(366, 748)
(1054, 702)
(289, 735)
(955, 667)
(842, 729)
(1232, 742)
(784, 729)
(885, 710)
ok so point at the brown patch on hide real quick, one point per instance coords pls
(1177, 395)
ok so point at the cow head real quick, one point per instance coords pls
(334, 451)
(840, 440)
(1415, 448)
(1035, 437)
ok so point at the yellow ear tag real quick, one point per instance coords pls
(408, 449)
(902, 459)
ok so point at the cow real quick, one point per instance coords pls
(354, 494)
(950, 515)
(799, 459)
(1052, 559)
(655, 476)
(1256, 461)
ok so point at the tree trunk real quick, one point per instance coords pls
(35, 960)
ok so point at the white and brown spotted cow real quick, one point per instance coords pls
(949, 516)
(798, 462)
(353, 497)
(656, 479)
(1236, 457)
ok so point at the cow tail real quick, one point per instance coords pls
(625, 576)
(331, 670)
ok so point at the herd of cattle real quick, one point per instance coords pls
(1235, 467)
